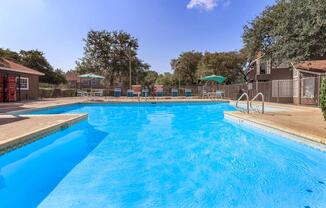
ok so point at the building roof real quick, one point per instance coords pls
(10, 66)
(318, 66)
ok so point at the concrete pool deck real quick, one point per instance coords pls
(16, 131)
(302, 121)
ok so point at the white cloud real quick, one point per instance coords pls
(207, 4)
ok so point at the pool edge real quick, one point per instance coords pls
(35, 135)
(287, 134)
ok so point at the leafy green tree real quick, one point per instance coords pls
(10, 55)
(149, 80)
(289, 30)
(228, 64)
(323, 97)
(109, 54)
(301, 30)
(167, 79)
(186, 66)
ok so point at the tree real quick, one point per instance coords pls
(149, 80)
(189, 67)
(301, 30)
(36, 60)
(323, 97)
(186, 65)
(10, 55)
(289, 30)
(109, 54)
(167, 79)
(227, 64)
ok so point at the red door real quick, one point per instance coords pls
(11, 88)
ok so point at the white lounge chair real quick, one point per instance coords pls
(97, 92)
(219, 93)
(81, 93)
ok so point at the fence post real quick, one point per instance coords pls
(278, 91)
(318, 90)
(299, 88)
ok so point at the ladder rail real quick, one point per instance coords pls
(262, 99)
(247, 96)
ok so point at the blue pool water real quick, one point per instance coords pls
(161, 155)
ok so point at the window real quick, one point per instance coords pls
(308, 87)
(263, 68)
(24, 83)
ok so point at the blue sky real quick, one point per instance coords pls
(164, 28)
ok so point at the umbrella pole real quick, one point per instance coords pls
(91, 90)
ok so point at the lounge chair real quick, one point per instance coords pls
(136, 89)
(117, 92)
(158, 90)
(130, 93)
(188, 92)
(97, 92)
(145, 92)
(205, 94)
(175, 92)
(81, 93)
(219, 93)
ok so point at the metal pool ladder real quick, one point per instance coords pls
(262, 99)
(244, 94)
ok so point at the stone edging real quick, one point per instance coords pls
(39, 133)
(269, 128)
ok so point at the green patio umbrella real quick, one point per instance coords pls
(216, 78)
(91, 76)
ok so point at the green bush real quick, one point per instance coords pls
(45, 93)
(323, 97)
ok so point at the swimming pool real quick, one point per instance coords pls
(161, 155)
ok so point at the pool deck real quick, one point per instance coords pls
(301, 121)
(17, 131)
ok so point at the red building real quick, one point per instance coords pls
(18, 82)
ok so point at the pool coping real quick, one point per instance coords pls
(25, 111)
(24, 139)
(302, 139)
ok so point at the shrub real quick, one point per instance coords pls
(323, 97)
(45, 93)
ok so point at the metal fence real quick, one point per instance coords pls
(304, 91)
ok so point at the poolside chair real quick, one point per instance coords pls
(81, 93)
(174, 92)
(117, 92)
(136, 89)
(145, 92)
(219, 93)
(130, 93)
(97, 92)
(158, 89)
(205, 94)
(188, 92)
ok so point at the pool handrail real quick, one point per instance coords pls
(262, 99)
(243, 94)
